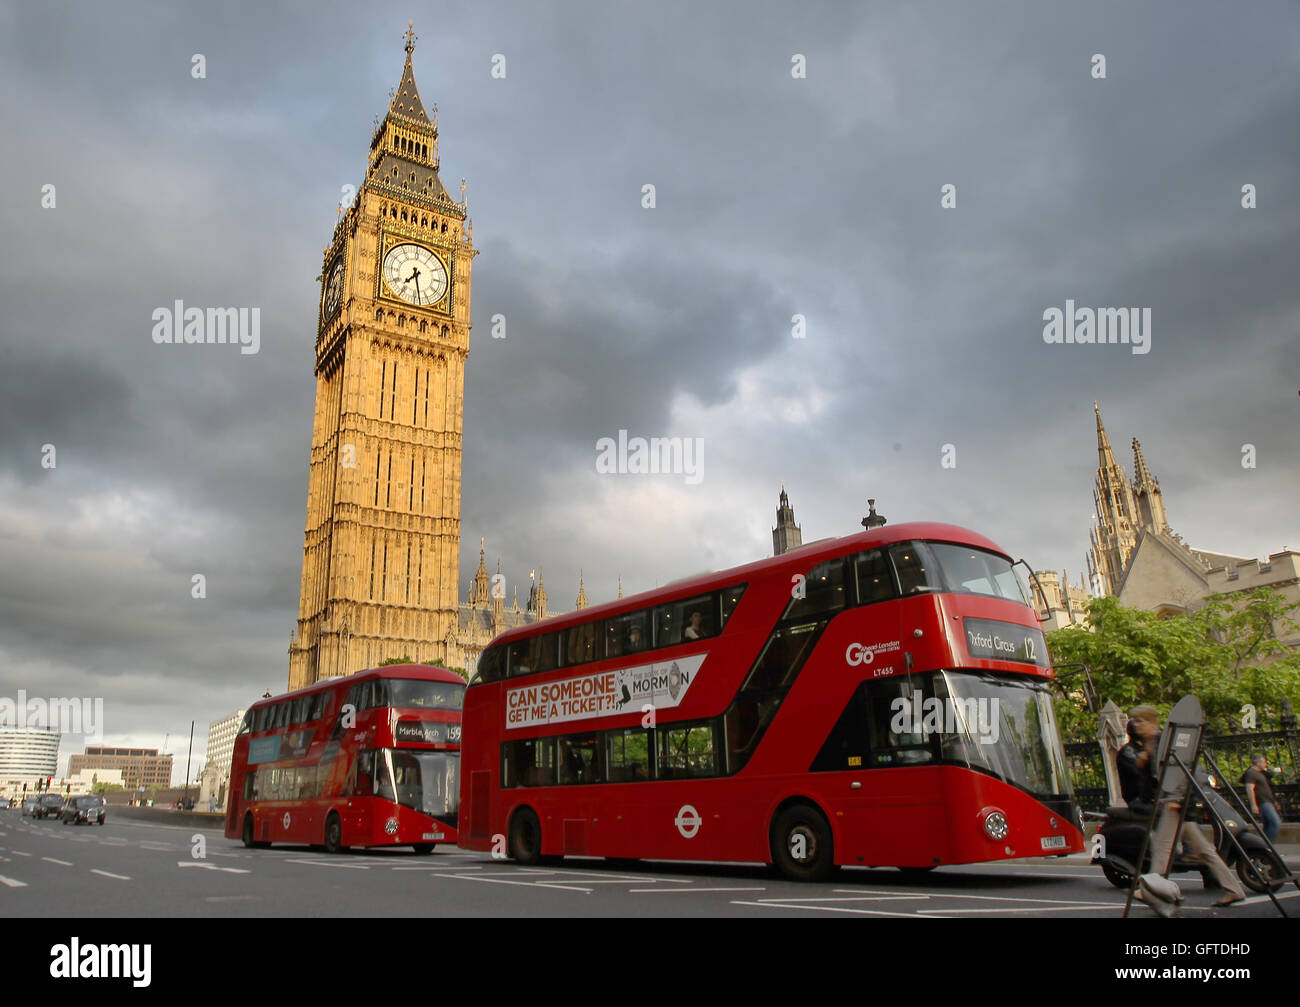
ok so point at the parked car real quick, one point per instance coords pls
(47, 806)
(29, 805)
(83, 808)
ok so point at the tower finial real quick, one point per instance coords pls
(410, 37)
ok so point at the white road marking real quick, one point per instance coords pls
(11, 882)
(149, 844)
(20, 853)
(526, 884)
(438, 867)
(51, 860)
(106, 874)
(1250, 900)
(1026, 909)
(858, 898)
(983, 898)
(211, 867)
(688, 891)
(773, 904)
(327, 863)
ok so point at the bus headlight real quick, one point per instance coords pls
(995, 826)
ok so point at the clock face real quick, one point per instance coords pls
(334, 288)
(415, 274)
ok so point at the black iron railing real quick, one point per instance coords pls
(1232, 752)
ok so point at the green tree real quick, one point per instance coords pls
(1227, 654)
(396, 660)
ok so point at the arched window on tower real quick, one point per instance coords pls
(379, 315)
(424, 326)
(401, 321)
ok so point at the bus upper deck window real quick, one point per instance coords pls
(874, 579)
(915, 572)
(822, 590)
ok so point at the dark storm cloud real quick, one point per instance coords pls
(775, 197)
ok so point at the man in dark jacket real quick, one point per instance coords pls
(1136, 760)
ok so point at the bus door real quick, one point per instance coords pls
(886, 782)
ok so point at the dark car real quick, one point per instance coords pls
(47, 806)
(83, 808)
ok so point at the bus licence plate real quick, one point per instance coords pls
(439, 835)
(1053, 842)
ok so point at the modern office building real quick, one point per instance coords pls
(141, 767)
(26, 755)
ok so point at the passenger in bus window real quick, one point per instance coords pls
(571, 767)
(634, 642)
(695, 628)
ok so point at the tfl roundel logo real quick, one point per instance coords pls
(688, 821)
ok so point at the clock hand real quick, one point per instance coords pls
(418, 297)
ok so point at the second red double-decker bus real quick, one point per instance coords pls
(876, 700)
(371, 759)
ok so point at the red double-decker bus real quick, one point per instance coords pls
(371, 759)
(875, 700)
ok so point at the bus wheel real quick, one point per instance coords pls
(424, 848)
(525, 837)
(802, 847)
(916, 873)
(247, 836)
(333, 833)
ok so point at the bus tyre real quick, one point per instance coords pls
(424, 848)
(247, 835)
(802, 846)
(333, 833)
(524, 842)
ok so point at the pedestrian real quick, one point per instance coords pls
(1260, 795)
(1201, 850)
(1136, 760)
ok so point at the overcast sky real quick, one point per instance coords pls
(775, 195)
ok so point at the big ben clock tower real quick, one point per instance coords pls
(382, 540)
